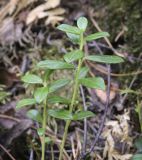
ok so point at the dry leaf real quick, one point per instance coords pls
(9, 32)
(56, 11)
(52, 4)
(103, 96)
(117, 131)
(54, 20)
(41, 12)
(8, 9)
(13, 6)
(54, 17)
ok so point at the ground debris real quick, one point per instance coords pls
(118, 141)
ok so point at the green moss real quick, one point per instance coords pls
(119, 13)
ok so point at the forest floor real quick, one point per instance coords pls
(28, 34)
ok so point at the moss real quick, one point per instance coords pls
(119, 13)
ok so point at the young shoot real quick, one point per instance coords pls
(45, 91)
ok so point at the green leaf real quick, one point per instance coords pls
(60, 114)
(82, 23)
(95, 36)
(25, 102)
(73, 56)
(34, 115)
(40, 131)
(128, 91)
(58, 84)
(138, 144)
(137, 157)
(74, 38)
(58, 99)
(83, 114)
(47, 74)
(48, 140)
(31, 78)
(54, 64)
(69, 29)
(41, 94)
(95, 82)
(105, 59)
(3, 95)
(83, 72)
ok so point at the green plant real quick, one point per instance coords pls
(3, 94)
(43, 93)
(138, 146)
(139, 112)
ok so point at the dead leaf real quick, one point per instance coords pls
(6, 31)
(103, 96)
(117, 131)
(41, 12)
(53, 20)
(13, 6)
(10, 32)
(52, 4)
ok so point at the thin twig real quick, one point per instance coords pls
(106, 39)
(92, 128)
(105, 113)
(106, 106)
(57, 151)
(24, 64)
(98, 68)
(129, 58)
(9, 117)
(7, 152)
(85, 121)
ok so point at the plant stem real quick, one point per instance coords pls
(44, 130)
(76, 87)
(52, 152)
(64, 139)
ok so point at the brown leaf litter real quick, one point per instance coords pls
(118, 141)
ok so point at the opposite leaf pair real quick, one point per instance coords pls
(43, 94)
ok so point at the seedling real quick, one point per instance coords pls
(43, 93)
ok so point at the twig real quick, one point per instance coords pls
(92, 128)
(105, 112)
(85, 121)
(98, 68)
(106, 39)
(24, 64)
(7, 152)
(57, 151)
(129, 58)
(106, 106)
(9, 117)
